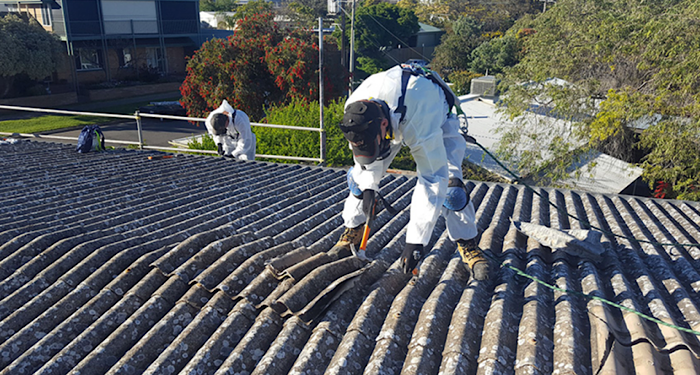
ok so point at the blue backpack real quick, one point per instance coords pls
(91, 139)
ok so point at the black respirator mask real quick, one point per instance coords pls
(220, 125)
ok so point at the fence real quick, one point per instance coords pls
(138, 116)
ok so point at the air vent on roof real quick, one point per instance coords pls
(484, 86)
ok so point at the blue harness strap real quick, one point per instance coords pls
(406, 73)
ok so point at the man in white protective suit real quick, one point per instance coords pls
(392, 108)
(230, 129)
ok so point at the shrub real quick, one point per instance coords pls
(304, 143)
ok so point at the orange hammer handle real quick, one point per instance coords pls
(365, 236)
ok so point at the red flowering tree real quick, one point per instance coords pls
(294, 64)
(260, 65)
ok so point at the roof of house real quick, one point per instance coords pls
(599, 173)
(425, 28)
(111, 263)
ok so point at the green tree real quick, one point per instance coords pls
(454, 52)
(305, 12)
(379, 28)
(26, 50)
(431, 13)
(249, 9)
(626, 62)
(495, 55)
(218, 5)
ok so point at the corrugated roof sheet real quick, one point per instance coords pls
(111, 263)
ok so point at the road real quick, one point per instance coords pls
(155, 132)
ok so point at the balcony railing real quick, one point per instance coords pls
(131, 27)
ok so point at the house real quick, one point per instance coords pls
(111, 263)
(596, 172)
(112, 40)
(215, 20)
(420, 45)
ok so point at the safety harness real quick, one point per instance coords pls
(408, 71)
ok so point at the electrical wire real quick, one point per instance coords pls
(397, 38)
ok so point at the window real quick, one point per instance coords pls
(45, 15)
(84, 18)
(129, 17)
(153, 57)
(178, 17)
(126, 58)
(88, 59)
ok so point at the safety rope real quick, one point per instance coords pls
(632, 239)
(589, 296)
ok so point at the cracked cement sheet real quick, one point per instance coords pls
(577, 242)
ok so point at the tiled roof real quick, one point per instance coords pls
(111, 263)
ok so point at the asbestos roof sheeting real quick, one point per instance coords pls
(111, 263)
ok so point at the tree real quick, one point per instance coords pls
(454, 52)
(249, 9)
(306, 12)
(626, 62)
(431, 13)
(260, 65)
(217, 5)
(495, 55)
(381, 27)
(26, 50)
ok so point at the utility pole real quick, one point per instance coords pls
(352, 48)
(343, 47)
(320, 87)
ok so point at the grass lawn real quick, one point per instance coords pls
(53, 122)
(47, 123)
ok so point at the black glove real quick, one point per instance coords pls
(412, 253)
(220, 149)
(369, 203)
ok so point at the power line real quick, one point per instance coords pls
(397, 38)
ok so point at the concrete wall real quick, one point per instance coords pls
(43, 101)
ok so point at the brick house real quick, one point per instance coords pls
(113, 40)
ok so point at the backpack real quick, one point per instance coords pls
(90, 139)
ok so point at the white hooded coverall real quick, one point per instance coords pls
(432, 134)
(239, 140)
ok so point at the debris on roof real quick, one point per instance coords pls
(576, 242)
(113, 264)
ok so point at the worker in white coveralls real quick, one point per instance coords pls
(230, 129)
(377, 120)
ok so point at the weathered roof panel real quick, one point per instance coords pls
(111, 263)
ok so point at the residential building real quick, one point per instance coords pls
(112, 40)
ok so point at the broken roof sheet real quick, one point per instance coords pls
(111, 263)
